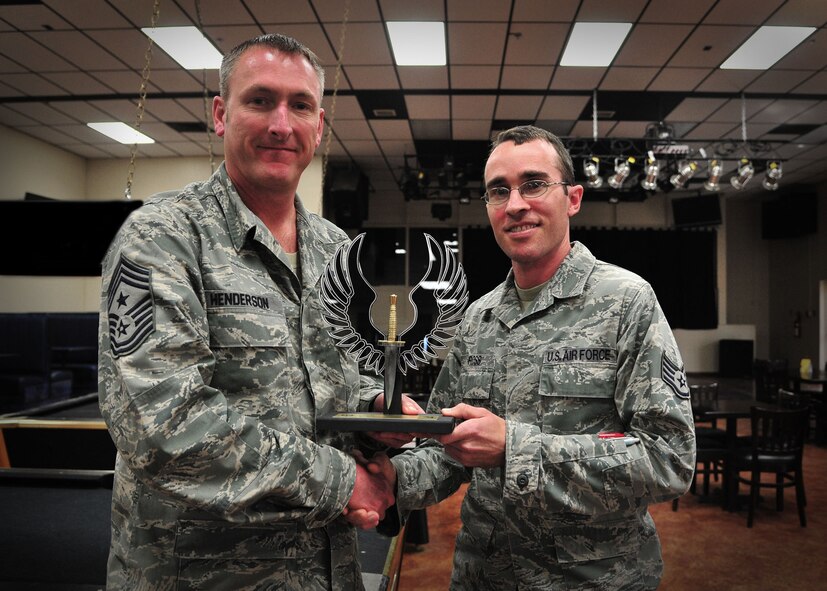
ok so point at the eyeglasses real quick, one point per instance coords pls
(532, 189)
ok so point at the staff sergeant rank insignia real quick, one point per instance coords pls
(130, 308)
(674, 376)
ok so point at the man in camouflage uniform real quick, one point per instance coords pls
(214, 362)
(544, 369)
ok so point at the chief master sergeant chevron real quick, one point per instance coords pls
(214, 362)
(564, 353)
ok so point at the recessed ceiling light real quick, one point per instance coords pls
(121, 132)
(417, 43)
(187, 46)
(766, 46)
(594, 44)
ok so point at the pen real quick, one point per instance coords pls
(627, 439)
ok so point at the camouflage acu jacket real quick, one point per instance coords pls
(568, 510)
(213, 365)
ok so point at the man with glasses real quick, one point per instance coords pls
(571, 400)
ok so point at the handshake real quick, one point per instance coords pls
(477, 441)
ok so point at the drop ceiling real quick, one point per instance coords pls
(66, 63)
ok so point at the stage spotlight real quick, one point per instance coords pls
(715, 170)
(622, 170)
(652, 168)
(774, 172)
(743, 175)
(686, 172)
(591, 168)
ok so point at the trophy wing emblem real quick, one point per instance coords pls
(450, 291)
(337, 291)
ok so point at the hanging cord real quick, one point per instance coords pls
(594, 115)
(130, 173)
(744, 120)
(326, 151)
(206, 93)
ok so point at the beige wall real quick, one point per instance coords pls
(29, 165)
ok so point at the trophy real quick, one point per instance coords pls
(390, 357)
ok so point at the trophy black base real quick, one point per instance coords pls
(377, 421)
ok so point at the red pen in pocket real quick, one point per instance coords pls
(627, 439)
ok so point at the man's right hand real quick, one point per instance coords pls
(372, 495)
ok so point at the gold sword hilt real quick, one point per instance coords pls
(392, 324)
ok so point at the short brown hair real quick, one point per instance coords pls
(283, 43)
(527, 133)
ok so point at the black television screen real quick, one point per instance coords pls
(57, 237)
(703, 210)
(789, 216)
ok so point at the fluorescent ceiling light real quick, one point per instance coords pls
(594, 44)
(766, 46)
(121, 132)
(187, 46)
(417, 43)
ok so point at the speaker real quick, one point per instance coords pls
(346, 198)
(703, 210)
(734, 358)
(793, 215)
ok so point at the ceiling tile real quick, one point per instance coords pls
(89, 14)
(710, 131)
(731, 110)
(397, 147)
(782, 110)
(478, 10)
(78, 110)
(280, 11)
(526, 77)
(42, 113)
(625, 11)
(816, 84)
(630, 129)
(816, 114)
(576, 78)
(91, 152)
(431, 129)
(352, 129)
(428, 106)
(360, 10)
(471, 129)
(405, 10)
(585, 129)
(800, 13)
(776, 81)
(695, 109)
(742, 12)
(129, 46)
(431, 77)
(521, 108)
(346, 107)
(618, 78)
(710, 45)
(465, 47)
(535, 43)
(78, 83)
(676, 11)
(32, 17)
(473, 107)
(679, 79)
(373, 77)
(32, 55)
(562, 107)
(78, 49)
(533, 11)
(474, 76)
(365, 43)
(638, 50)
(32, 85)
(8, 66)
(398, 129)
(14, 118)
(727, 80)
(140, 12)
(809, 55)
(49, 134)
(330, 80)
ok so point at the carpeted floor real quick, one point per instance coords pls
(704, 547)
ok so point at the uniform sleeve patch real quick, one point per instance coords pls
(130, 308)
(674, 376)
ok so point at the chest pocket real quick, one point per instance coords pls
(475, 386)
(231, 328)
(577, 397)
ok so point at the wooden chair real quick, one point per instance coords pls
(769, 375)
(777, 447)
(710, 441)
